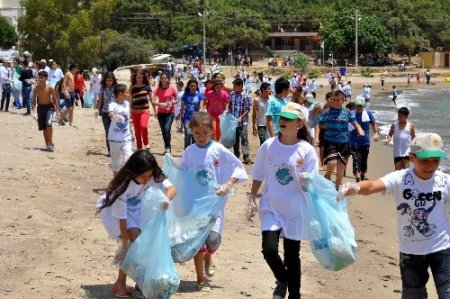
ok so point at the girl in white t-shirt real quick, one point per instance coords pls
(210, 161)
(282, 208)
(120, 206)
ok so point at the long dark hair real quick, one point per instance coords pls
(160, 80)
(303, 133)
(107, 76)
(144, 80)
(187, 89)
(138, 163)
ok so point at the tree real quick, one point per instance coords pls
(8, 36)
(338, 34)
(120, 53)
(300, 61)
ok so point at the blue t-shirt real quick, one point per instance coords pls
(337, 121)
(356, 140)
(274, 106)
(191, 104)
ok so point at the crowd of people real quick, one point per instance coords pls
(289, 122)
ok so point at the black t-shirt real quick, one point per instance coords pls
(139, 96)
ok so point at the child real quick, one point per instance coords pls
(215, 104)
(47, 102)
(190, 103)
(394, 95)
(275, 104)
(259, 113)
(240, 104)
(403, 132)
(120, 207)
(279, 163)
(320, 133)
(119, 135)
(336, 147)
(210, 160)
(179, 124)
(421, 195)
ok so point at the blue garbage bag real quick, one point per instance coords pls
(192, 213)
(148, 260)
(16, 86)
(331, 235)
(53, 82)
(88, 99)
(228, 125)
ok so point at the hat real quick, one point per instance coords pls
(428, 145)
(43, 61)
(94, 69)
(360, 103)
(238, 81)
(293, 111)
(310, 98)
(201, 76)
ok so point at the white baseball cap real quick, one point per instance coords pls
(294, 111)
(428, 145)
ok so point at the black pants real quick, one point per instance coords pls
(360, 155)
(288, 271)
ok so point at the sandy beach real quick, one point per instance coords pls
(54, 246)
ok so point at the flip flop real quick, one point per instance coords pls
(118, 293)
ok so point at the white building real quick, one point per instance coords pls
(11, 10)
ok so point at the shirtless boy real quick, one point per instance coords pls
(46, 101)
(68, 92)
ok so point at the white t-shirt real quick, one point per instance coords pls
(216, 164)
(127, 206)
(283, 203)
(422, 219)
(55, 74)
(120, 131)
(96, 83)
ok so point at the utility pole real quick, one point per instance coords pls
(204, 37)
(356, 38)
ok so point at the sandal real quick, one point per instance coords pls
(119, 293)
(204, 287)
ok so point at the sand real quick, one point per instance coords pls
(54, 246)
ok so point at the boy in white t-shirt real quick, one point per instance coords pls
(421, 195)
(119, 135)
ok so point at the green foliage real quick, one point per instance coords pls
(338, 34)
(366, 72)
(313, 73)
(120, 53)
(8, 36)
(300, 61)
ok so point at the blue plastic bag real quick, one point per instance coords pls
(331, 235)
(88, 99)
(228, 125)
(16, 86)
(192, 213)
(148, 260)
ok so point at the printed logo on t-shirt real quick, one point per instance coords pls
(123, 126)
(202, 175)
(133, 201)
(284, 174)
(419, 205)
(216, 163)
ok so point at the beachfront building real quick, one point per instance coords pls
(435, 59)
(11, 10)
(306, 42)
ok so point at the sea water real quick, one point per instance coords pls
(429, 111)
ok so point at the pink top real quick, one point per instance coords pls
(216, 102)
(167, 95)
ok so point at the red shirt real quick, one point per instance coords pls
(216, 102)
(79, 84)
(167, 95)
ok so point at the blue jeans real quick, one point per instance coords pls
(106, 124)
(188, 138)
(165, 123)
(414, 272)
(26, 97)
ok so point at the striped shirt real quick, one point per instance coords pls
(337, 121)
